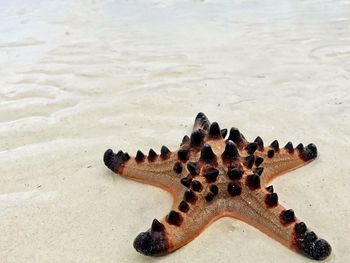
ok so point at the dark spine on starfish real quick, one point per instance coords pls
(214, 189)
(287, 216)
(258, 161)
(183, 207)
(259, 170)
(230, 153)
(271, 200)
(249, 161)
(114, 161)
(270, 188)
(192, 168)
(196, 186)
(157, 226)
(186, 181)
(183, 155)
(207, 154)
(201, 122)
(174, 218)
(235, 136)
(300, 229)
(211, 174)
(214, 131)
(235, 173)
(190, 196)
(309, 244)
(234, 189)
(154, 242)
(260, 143)
(197, 138)
(164, 152)
(223, 133)
(275, 145)
(289, 147)
(209, 197)
(251, 147)
(177, 168)
(309, 152)
(270, 153)
(185, 140)
(152, 155)
(253, 181)
(300, 147)
(140, 157)
(125, 157)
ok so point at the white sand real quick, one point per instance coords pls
(78, 78)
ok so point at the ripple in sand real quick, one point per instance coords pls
(331, 52)
(23, 43)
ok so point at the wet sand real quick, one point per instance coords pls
(78, 78)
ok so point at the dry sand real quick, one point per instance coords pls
(78, 77)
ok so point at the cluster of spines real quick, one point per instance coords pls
(114, 161)
(305, 153)
(271, 200)
(154, 241)
(213, 191)
(174, 217)
(197, 141)
(152, 155)
(207, 160)
(230, 155)
(309, 244)
(208, 157)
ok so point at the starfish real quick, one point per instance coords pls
(211, 177)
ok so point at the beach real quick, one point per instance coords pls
(79, 77)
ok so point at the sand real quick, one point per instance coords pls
(79, 77)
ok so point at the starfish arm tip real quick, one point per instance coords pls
(309, 152)
(151, 243)
(114, 161)
(307, 243)
(313, 247)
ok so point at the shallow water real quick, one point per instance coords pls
(78, 78)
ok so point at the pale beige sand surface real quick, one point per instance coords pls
(78, 77)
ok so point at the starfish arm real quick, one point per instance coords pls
(162, 170)
(183, 223)
(260, 208)
(277, 161)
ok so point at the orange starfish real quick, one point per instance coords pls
(211, 177)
